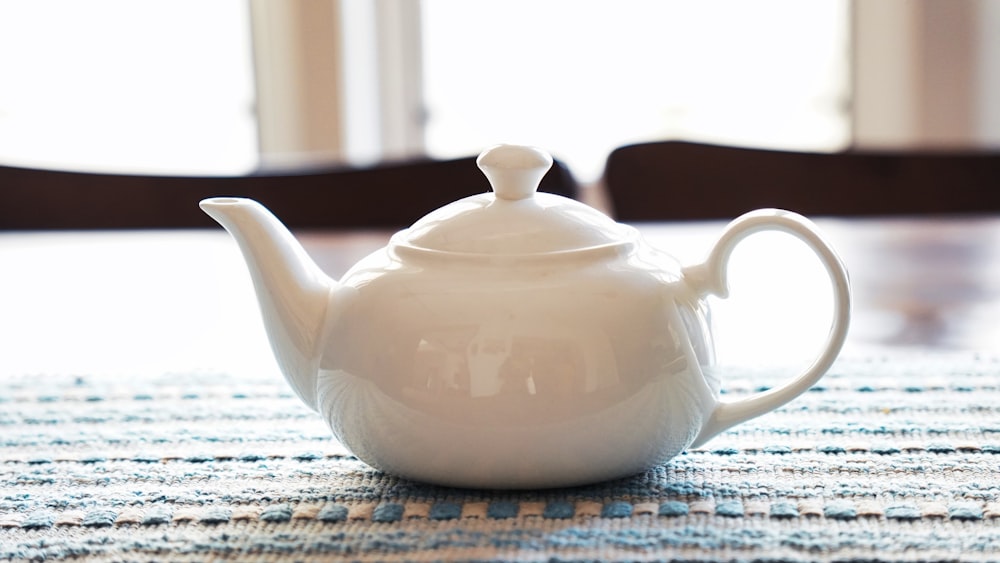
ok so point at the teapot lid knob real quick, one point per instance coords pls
(514, 171)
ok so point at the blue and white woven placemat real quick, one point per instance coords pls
(890, 458)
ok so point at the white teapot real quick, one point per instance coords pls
(511, 339)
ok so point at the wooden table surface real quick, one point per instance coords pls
(134, 302)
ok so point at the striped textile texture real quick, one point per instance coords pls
(889, 458)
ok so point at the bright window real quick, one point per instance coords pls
(127, 86)
(580, 77)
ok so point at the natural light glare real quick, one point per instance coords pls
(120, 85)
(581, 77)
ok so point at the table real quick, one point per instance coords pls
(105, 301)
(141, 412)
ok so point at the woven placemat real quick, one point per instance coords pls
(890, 458)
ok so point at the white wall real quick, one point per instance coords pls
(926, 73)
(988, 62)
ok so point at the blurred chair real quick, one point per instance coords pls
(389, 195)
(681, 180)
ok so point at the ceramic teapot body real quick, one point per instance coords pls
(535, 373)
(491, 345)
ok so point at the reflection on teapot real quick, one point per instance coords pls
(511, 339)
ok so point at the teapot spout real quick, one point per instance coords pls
(293, 292)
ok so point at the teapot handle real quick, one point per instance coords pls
(710, 278)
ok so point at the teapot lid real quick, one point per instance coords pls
(514, 219)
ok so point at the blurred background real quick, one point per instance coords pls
(232, 86)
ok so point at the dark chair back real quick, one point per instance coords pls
(681, 180)
(390, 195)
